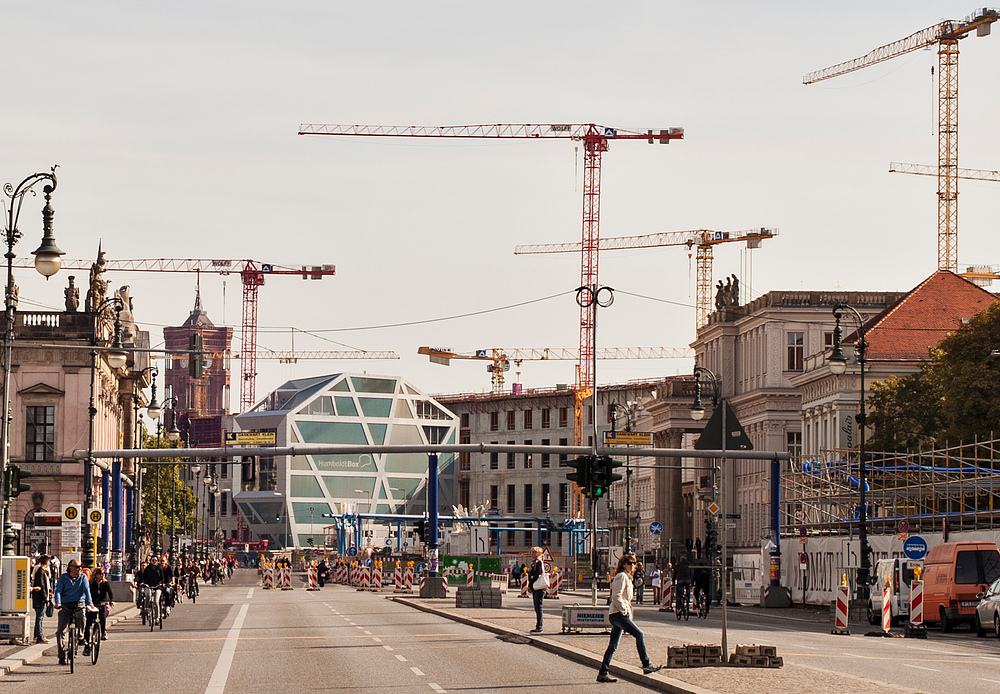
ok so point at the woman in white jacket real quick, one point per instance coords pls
(621, 619)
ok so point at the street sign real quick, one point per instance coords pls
(713, 508)
(915, 547)
(480, 539)
(628, 438)
(730, 526)
(656, 527)
(711, 438)
(352, 551)
(734, 516)
(250, 438)
(388, 542)
(800, 516)
(804, 561)
(71, 513)
(48, 520)
(904, 526)
(95, 516)
(802, 531)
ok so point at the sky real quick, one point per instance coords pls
(174, 126)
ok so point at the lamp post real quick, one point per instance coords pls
(838, 366)
(368, 496)
(47, 262)
(117, 357)
(718, 488)
(152, 409)
(173, 435)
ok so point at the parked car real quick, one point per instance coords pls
(988, 610)
(955, 573)
(899, 574)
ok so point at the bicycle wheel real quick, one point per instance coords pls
(95, 641)
(70, 650)
(152, 614)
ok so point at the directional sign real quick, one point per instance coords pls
(352, 551)
(625, 438)
(388, 542)
(656, 527)
(95, 516)
(250, 438)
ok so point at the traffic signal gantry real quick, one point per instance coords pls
(594, 474)
(13, 483)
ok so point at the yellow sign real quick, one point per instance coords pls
(96, 516)
(628, 438)
(250, 438)
(71, 512)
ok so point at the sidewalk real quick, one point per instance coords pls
(588, 648)
(13, 657)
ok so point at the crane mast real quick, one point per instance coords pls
(946, 35)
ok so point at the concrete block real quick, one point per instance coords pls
(748, 650)
(695, 661)
(775, 661)
(760, 660)
(677, 661)
(677, 651)
(713, 659)
(713, 651)
(769, 651)
(696, 651)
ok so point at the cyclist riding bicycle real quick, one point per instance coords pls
(702, 581)
(682, 579)
(72, 589)
(149, 581)
(168, 583)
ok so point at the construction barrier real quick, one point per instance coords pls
(312, 578)
(667, 601)
(286, 577)
(524, 587)
(917, 603)
(267, 577)
(886, 609)
(555, 580)
(840, 624)
(376, 581)
(408, 577)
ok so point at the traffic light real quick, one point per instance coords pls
(196, 357)
(711, 537)
(609, 464)
(14, 484)
(582, 471)
(248, 468)
(598, 478)
(422, 530)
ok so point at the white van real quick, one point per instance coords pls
(898, 571)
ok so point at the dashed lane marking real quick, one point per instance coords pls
(920, 667)
(993, 681)
(400, 658)
(249, 593)
(217, 685)
(368, 632)
(388, 648)
(436, 687)
(377, 639)
(416, 671)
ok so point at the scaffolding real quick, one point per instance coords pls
(957, 488)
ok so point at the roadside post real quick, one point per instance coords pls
(915, 629)
(840, 625)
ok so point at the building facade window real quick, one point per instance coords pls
(795, 344)
(794, 442)
(562, 456)
(40, 434)
(527, 419)
(527, 456)
(511, 424)
(463, 493)
(511, 504)
(510, 458)
(590, 414)
(564, 497)
(494, 496)
(563, 416)
(546, 418)
(528, 498)
(465, 420)
(494, 458)
(545, 500)
(545, 456)
(494, 421)
(464, 459)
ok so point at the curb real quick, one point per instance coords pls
(36, 651)
(658, 682)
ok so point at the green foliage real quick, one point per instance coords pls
(906, 411)
(166, 481)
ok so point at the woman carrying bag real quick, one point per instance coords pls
(538, 581)
(620, 617)
(41, 596)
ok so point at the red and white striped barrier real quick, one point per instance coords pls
(524, 587)
(397, 579)
(376, 579)
(313, 578)
(286, 577)
(555, 580)
(667, 601)
(267, 577)
(408, 578)
(469, 577)
(840, 623)
(917, 603)
(886, 609)
(340, 573)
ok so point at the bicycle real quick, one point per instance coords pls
(192, 588)
(702, 602)
(153, 600)
(92, 638)
(69, 641)
(683, 608)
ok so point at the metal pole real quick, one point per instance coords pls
(87, 555)
(725, 537)
(432, 513)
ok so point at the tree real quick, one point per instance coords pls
(906, 411)
(969, 376)
(163, 490)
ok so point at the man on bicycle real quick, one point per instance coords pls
(72, 589)
(149, 581)
(168, 582)
(702, 581)
(682, 579)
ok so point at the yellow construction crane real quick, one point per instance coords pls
(946, 35)
(702, 239)
(927, 170)
(501, 358)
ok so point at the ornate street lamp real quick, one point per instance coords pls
(628, 411)
(838, 366)
(48, 260)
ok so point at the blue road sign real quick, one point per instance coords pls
(915, 547)
(656, 527)
(388, 542)
(352, 551)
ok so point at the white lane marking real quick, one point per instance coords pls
(217, 685)
(920, 667)
(400, 658)
(376, 639)
(416, 671)
(437, 687)
(249, 593)
(357, 627)
(369, 633)
(388, 648)
(993, 681)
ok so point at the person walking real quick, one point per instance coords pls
(639, 581)
(654, 579)
(621, 619)
(41, 595)
(537, 594)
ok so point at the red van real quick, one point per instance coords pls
(954, 574)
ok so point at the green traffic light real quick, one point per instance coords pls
(14, 483)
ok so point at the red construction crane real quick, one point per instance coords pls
(252, 272)
(595, 140)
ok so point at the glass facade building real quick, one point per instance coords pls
(292, 498)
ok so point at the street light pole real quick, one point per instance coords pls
(47, 261)
(838, 366)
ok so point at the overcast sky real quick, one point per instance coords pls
(175, 128)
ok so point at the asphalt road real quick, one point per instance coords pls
(239, 638)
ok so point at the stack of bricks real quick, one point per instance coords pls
(478, 597)
(693, 655)
(756, 656)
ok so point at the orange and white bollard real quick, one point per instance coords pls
(840, 624)
(666, 602)
(886, 609)
(313, 578)
(469, 577)
(408, 577)
(524, 586)
(915, 628)
(286, 577)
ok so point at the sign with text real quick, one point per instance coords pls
(250, 438)
(628, 438)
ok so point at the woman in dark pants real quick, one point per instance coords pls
(100, 591)
(620, 617)
(537, 595)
